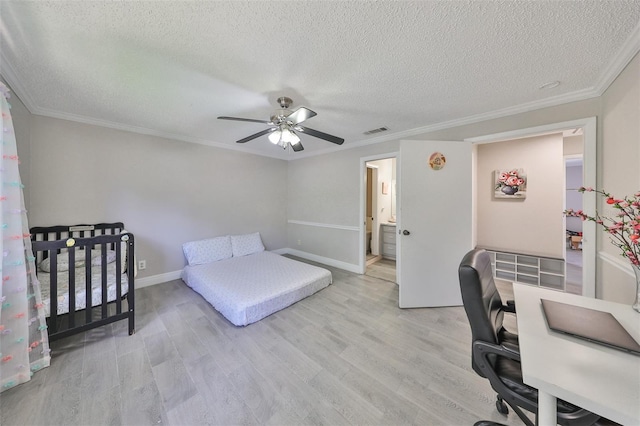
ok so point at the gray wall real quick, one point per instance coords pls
(166, 192)
(326, 188)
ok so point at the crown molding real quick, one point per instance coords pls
(625, 54)
(505, 112)
(146, 131)
(9, 74)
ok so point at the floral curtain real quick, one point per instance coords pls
(24, 343)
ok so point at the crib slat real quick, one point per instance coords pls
(72, 286)
(104, 280)
(130, 282)
(118, 278)
(88, 296)
(53, 291)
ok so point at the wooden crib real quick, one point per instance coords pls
(91, 270)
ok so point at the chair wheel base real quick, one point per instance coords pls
(501, 406)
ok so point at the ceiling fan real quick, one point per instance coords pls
(284, 125)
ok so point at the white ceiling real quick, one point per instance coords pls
(170, 68)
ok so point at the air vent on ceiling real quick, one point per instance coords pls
(374, 131)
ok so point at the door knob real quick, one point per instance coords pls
(405, 232)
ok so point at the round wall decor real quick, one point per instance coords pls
(437, 161)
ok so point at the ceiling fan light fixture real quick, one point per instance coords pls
(289, 137)
(282, 125)
(275, 136)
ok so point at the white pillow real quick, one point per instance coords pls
(207, 251)
(246, 244)
(62, 261)
(96, 257)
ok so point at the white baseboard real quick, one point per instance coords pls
(157, 279)
(320, 259)
(175, 275)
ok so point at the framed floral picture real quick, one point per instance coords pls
(511, 183)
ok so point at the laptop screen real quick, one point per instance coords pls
(589, 324)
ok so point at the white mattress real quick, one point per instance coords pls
(246, 289)
(80, 282)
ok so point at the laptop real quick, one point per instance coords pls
(588, 324)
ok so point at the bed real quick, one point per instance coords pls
(244, 282)
(91, 270)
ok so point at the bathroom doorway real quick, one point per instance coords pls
(380, 228)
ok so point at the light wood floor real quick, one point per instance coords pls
(346, 355)
(385, 269)
(574, 271)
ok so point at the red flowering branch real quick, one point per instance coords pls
(624, 229)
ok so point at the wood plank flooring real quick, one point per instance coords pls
(385, 269)
(346, 355)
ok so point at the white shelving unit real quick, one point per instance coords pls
(528, 269)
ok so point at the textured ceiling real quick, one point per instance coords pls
(170, 68)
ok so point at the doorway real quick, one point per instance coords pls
(588, 128)
(379, 248)
(573, 247)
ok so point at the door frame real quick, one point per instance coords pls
(362, 263)
(374, 203)
(589, 128)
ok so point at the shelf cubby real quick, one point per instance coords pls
(528, 269)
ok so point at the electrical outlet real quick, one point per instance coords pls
(299, 242)
(142, 264)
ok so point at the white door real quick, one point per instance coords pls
(434, 222)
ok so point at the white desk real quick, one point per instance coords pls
(597, 378)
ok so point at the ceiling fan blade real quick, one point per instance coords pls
(251, 120)
(299, 115)
(297, 147)
(256, 135)
(321, 135)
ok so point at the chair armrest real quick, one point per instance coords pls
(510, 306)
(482, 350)
(512, 347)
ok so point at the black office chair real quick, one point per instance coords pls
(495, 351)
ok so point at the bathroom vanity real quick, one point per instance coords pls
(388, 236)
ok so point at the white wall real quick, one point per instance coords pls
(382, 210)
(573, 145)
(532, 225)
(166, 192)
(385, 175)
(618, 159)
